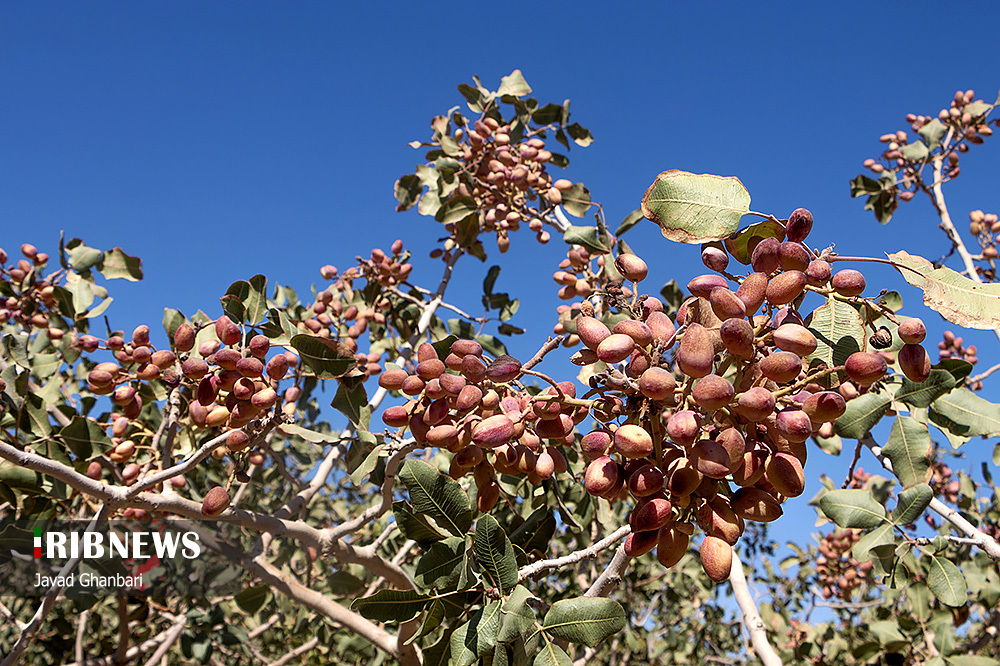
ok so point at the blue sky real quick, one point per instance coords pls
(219, 140)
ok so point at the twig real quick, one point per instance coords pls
(271, 621)
(611, 576)
(980, 377)
(751, 617)
(550, 344)
(937, 197)
(136, 650)
(202, 453)
(854, 462)
(300, 650)
(170, 636)
(123, 633)
(81, 632)
(590, 552)
(29, 630)
(987, 543)
(6, 612)
(373, 512)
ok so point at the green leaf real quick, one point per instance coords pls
(864, 186)
(946, 582)
(117, 264)
(391, 605)
(839, 332)
(912, 503)
(34, 418)
(514, 84)
(957, 298)
(852, 508)
(673, 296)
(879, 536)
(586, 620)
(970, 660)
(305, 433)
(456, 209)
(467, 230)
(996, 455)
(407, 190)
(232, 300)
(367, 465)
(862, 414)
(552, 655)
(517, 617)
(83, 258)
(933, 132)
(441, 565)
(476, 637)
(437, 495)
(328, 359)
(965, 413)
(588, 237)
(958, 368)
(581, 135)
(919, 597)
(693, 208)
(256, 301)
(342, 583)
(20, 478)
(278, 327)
(831, 445)
(923, 394)
(83, 435)
(914, 152)
(907, 448)
(252, 599)
(414, 525)
(495, 554)
(352, 402)
(630, 221)
(576, 200)
(16, 347)
(742, 243)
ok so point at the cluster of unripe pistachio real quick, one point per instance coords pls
(34, 294)
(733, 406)
(985, 228)
(229, 384)
(504, 176)
(967, 129)
(951, 346)
(474, 407)
(942, 482)
(582, 275)
(386, 269)
(837, 572)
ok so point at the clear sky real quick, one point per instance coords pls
(217, 140)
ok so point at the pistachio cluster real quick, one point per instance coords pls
(838, 573)
(474, 407)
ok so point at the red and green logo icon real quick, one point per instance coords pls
(38, 543)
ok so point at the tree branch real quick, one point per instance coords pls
(611, 576)
(300, 650)
(987, 543)
(751, 618)
(590, 552)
